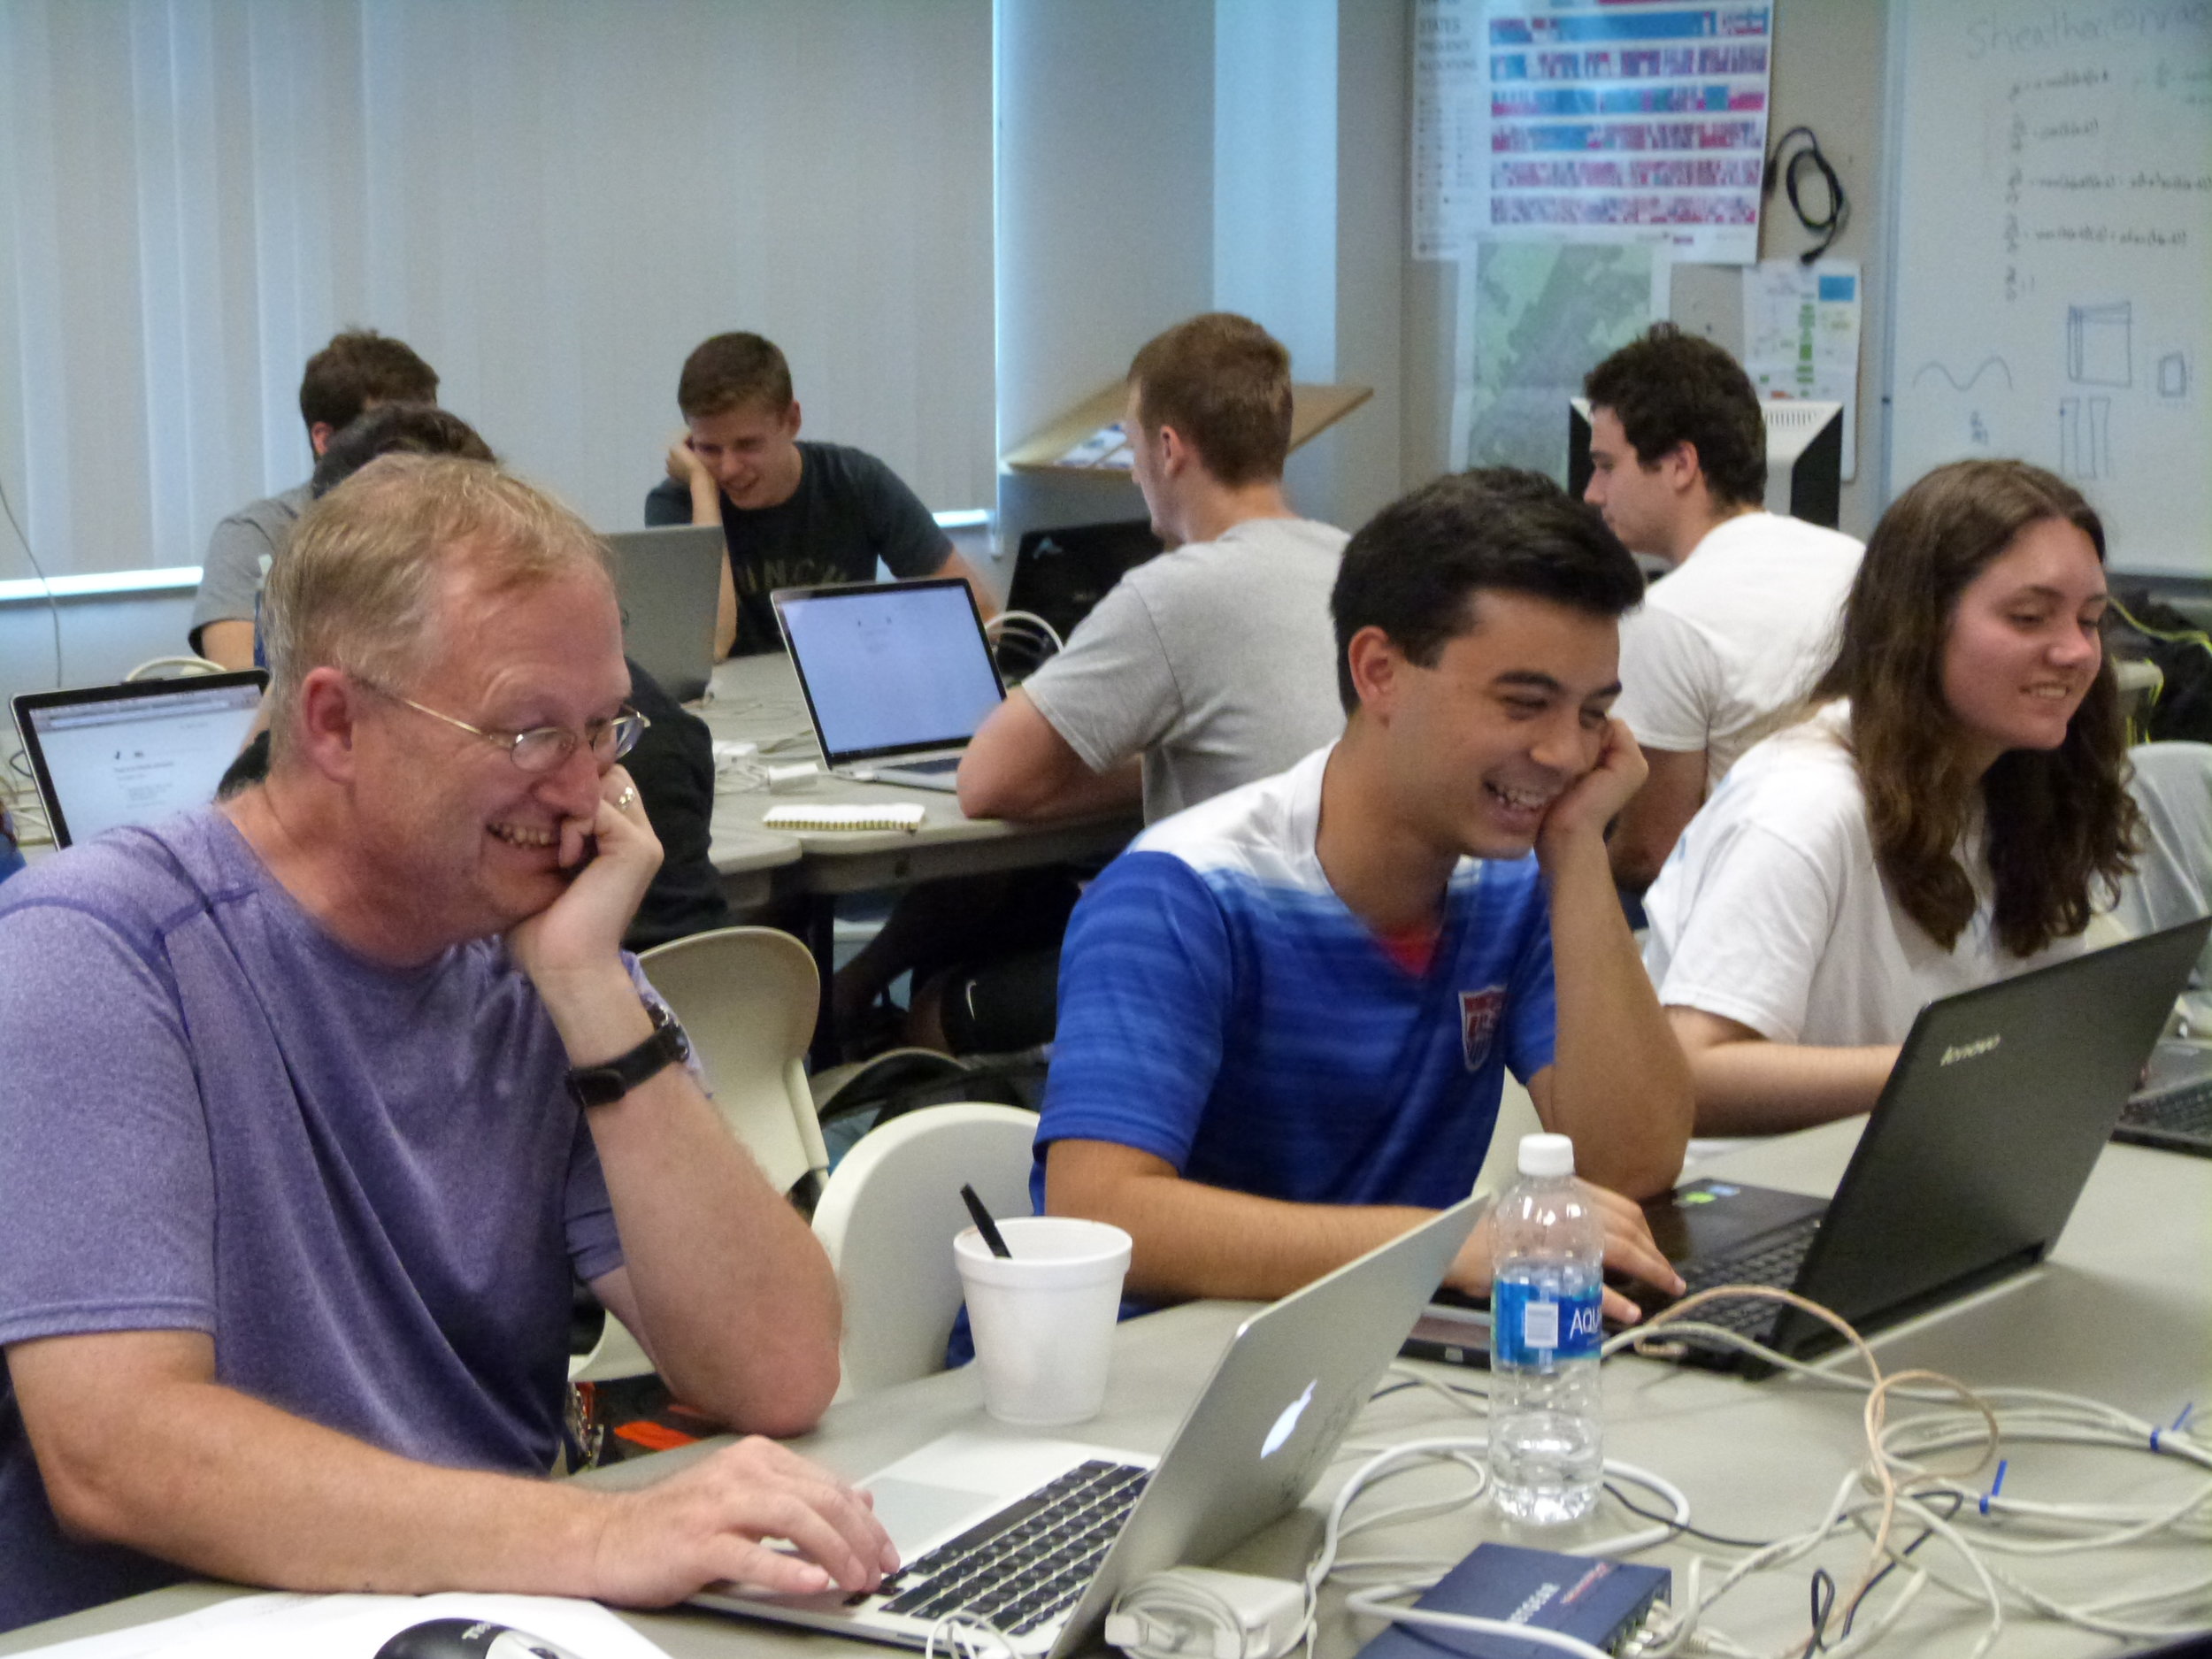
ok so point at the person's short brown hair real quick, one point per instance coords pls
(731, 371)
(394, 428)
(1223, 383)
(1670, 387)
(357, 368)
(358, 585)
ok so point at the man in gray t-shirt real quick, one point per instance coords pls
(1213, 664)
(314, 1099)
(357, 370)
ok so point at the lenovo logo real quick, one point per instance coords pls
(1973, 1050)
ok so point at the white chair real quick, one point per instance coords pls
(887, 1219)
(748, 998)
(615, 1356)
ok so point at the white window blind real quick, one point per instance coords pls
(552, 200)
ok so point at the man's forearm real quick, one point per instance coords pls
(1620, 1087)
(223, 1484)
(1193, 1241)
(228, 641)
(739, 1303)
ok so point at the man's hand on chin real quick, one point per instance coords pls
(611, 858)
(1595, 799)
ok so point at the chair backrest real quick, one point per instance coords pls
(748, 997)
(2172, 879)
(887, 1219)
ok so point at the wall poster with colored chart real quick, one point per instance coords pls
(1590, 122)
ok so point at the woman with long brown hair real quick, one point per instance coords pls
(1951, 811)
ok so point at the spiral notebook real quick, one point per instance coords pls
(891, 815)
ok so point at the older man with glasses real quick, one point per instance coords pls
(313, 1098)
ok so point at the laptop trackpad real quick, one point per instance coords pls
(915, 1513)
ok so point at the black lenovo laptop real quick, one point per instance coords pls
(2172, 1111)
(1999, 1104)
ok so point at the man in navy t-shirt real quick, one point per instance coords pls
(1285, 1014)
(794, 515)
(314, 1099)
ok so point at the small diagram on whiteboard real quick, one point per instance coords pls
(2085, 437)
(1967, 385)
(2174, 378)
(2100, 344)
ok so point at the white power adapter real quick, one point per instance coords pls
(1197, 1613)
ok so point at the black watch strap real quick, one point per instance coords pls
(590, 1086)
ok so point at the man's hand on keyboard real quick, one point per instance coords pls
(705, 1524)
(1629, 1248)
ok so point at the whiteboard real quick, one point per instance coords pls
(2051, 274)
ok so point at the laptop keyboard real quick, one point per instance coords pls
(2187, 1109)
(1775, 1262)
(950, 762)
(1030, 1562)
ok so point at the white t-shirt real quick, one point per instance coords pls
(1217, 662)
(1724, 646)
(1771, 911)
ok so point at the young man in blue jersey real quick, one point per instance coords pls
(1284, 1013)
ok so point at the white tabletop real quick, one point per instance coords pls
(757, 700)
(2122, 1312)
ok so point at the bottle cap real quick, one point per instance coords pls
(1546, 1155)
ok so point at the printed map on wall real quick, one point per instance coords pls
(1591, 121)
(1533, 318)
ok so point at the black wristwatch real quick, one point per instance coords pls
(590, 1086)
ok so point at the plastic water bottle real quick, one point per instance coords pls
(1546, 1444)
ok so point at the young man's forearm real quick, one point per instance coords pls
(1620, 1087)
(1193, 1241)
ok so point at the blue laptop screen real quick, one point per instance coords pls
(891, 667)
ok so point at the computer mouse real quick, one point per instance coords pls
(469, 1639)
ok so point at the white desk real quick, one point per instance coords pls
(757, 700)
(2122, 1312)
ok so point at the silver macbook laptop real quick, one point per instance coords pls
(1036, 1537)
(897, 675)
(105, 755)
(669, 581)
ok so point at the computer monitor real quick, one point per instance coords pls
(1804, 457)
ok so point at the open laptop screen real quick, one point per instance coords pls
(132, 754)
(890, 668)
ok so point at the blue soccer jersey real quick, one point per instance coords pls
(1221, 1009)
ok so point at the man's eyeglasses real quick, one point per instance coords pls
(544, 748)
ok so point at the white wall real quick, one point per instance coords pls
(552, 200)
(1158, 159)
(1104, 219)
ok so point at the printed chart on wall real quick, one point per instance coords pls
(2053, 277)
(1590, 122)
(1532, 318)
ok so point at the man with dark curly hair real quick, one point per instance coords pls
(1728, 641)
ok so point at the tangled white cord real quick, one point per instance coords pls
(1901, 1484)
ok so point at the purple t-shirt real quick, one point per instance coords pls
(368, 1184)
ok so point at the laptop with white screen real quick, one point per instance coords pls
(1035, 1537)
(897, 675)
(105, 755)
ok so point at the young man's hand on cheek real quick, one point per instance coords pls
(1595, 799)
